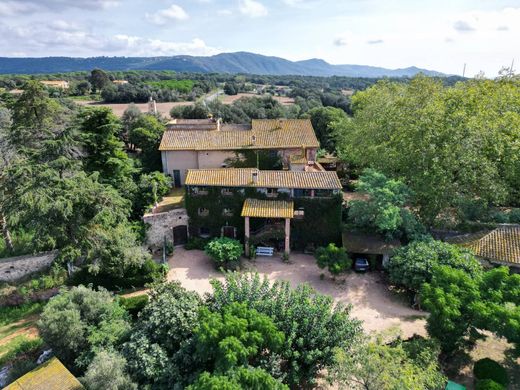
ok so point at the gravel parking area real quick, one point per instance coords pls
(372, 301)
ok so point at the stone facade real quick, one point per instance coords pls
(13, 269)
(161, 225)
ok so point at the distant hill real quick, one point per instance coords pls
(240, 62)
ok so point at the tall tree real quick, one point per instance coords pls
(446, 143)
(99, 79)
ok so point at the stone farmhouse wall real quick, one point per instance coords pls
(13, 269)
(161, 225)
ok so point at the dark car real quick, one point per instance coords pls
(361, 265)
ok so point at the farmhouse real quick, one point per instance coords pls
(500, 246)
(208, 143)
(296, 205)
(62, 84)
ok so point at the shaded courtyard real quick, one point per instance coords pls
(372, 301)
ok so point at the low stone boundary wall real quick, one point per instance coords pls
(16, 268)
(162, 224)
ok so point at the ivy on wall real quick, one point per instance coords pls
(321, 223)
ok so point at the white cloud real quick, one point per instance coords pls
(252, 8)
(343, 39)
(375, 41)
(12, 7)
(486, 21)
(463, 26)
(174, 12)
(224, 12)
(59, 38)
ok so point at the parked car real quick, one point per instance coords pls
(361, 265)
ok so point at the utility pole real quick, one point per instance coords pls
(464, 71)
(511, 71)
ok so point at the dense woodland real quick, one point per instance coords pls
(427, 155)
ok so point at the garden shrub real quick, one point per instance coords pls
(333, 258)
(489, 369)
(135, 276)
(196, 243)
(134, 305)
(514, 216)
(224, 251)
(488, 384)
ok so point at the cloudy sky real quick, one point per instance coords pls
(434, 34)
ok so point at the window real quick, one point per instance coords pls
(227, 192)
(323, 193)
(272, 192)
(301, 193)
(204, 232)
(227, 212)
(299, 213)
(203, 212)
(200, 191)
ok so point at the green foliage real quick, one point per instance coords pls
(99, 79)
(489, 369)
(235, 336)
(414, 264)
(150, 190)
(163, 326)
(134, 305)
(326, 121)
(241, 378)
(446, 143)
(104, 151)
(78, 323)
(21, 347)
(448, 298)
(107, 372)
(183, 86)
(261, 159)
(374, 365)
(224, 251)
(384, 211)
(196, 243)
(313, 324)
(333, 258)
(10, 314)
(488, 384)
(145, 134)
(133, 276)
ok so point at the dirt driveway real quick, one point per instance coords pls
(372, 302)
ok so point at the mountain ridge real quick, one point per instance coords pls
(237, 62)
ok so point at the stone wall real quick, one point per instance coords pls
(13, 269)
(161, 225)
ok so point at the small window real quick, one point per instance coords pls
(200, 191)
(227, 212)
(227, 192)
(299, 213)
(301, 193)
(272, 192)
(203, 212)
(204, 232)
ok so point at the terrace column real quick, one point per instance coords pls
(246, 239)
(287, 236)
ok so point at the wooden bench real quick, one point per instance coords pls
(264, 251)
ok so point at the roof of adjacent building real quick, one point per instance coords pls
(264, 134)
(51, 375)
(500, 245)
(258, 208)
(243, 177)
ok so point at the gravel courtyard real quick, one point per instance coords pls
(372, 302)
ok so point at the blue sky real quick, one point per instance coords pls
(440, 35)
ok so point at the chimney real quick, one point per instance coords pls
(253, 139)
(219, 122)
(254, 174)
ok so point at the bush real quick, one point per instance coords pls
(224, 251)
(134, 305)
(489, 369)
(196, 243)
(488, 384)
(514, 216)
(135, 276)
(333, 258)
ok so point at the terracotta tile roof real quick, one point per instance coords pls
(243, 177)
(51, 375)
(264, 134)
(501, 245)
(258, 208)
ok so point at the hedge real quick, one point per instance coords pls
(489, 369)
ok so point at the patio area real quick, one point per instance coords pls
(379, 308)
